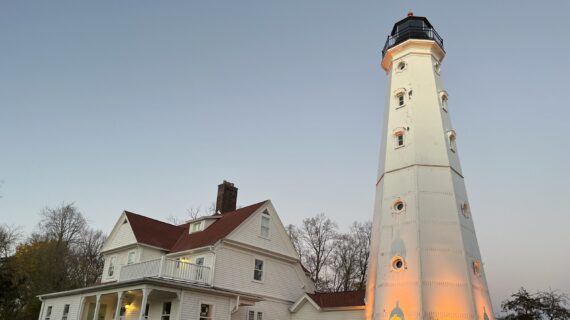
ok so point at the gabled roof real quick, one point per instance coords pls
(153, 232)
(218, 230)
(175, 238)
(338, 299)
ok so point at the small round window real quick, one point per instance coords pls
(398, 206)
(437, 66)
(401, 66)
(398, 263)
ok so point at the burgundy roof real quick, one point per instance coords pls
(176, 238)
(338, 299)
(218, 230)
(153, 232)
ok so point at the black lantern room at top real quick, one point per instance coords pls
(411, 27)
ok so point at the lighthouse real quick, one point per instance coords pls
(425, 262)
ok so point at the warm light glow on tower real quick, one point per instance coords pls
(425, 261)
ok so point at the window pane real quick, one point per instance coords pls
(166, 308)
(259, 316)
(258, 264)
(251, 315)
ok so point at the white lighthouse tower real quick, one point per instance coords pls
(425, 261)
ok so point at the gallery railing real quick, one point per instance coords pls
(167, 269)
(412, 33)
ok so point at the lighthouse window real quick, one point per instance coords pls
(465, 210)
(452, 144)
(398, 206)
(398, 263)
(401, 66)
(437, 66)
(401, 100)
(477, 267)
(399, 140)
(443, 97)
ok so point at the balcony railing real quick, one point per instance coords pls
(167, 269)
(412, 33)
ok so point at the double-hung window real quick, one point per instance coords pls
(206, 312)
(65, 312)
(111, 270)
(131, 257)
(251, 315)
(48, 313)
(166, 307)
(265, 224)
(258, 270)
(400, 140)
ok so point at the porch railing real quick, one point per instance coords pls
(167, 269)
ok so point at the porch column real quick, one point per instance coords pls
(97, 307)
(81, 308)
(42, 309)
(146, 292)
(119, 304)
(180, 302)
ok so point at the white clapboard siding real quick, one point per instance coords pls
(270, 310)
(308, 312)
(58, 304)
(147, 254)
(120, 260)
(234, 271)
(249, 232)
(121, 235)
(191, 305)
(207, 255)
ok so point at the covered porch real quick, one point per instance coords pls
(142, 302)
(145, 299)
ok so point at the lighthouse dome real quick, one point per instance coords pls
(411, 27)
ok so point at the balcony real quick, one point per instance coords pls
(167, 269)
(412, 32)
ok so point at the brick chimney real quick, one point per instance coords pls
(227, 197)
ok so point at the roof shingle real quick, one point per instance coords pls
(338, 299)
(177, 238)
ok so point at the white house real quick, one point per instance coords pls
(236, 264)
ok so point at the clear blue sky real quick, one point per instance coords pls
(148, 105)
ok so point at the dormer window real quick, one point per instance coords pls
(265, 224)
(196, 226)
